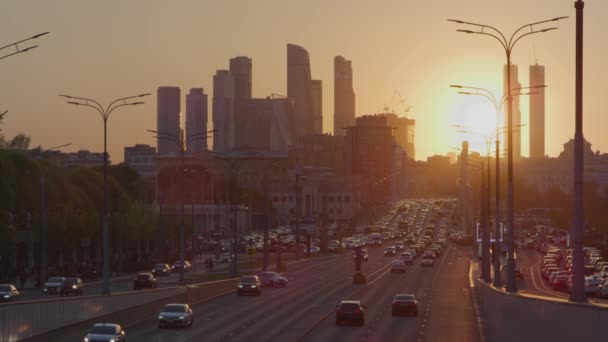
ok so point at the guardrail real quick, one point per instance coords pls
(56, 319)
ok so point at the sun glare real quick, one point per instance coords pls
(475, 119)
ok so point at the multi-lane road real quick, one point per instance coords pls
(304, 310)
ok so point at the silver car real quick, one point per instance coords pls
(175, 315)
(106, 332)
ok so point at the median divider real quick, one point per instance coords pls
(68, 319)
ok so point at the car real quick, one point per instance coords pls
(350, 311)
(249, 284)
(407, 258)
(144, 281)
(389, 251)
(106, 332)
(177, 266)
(601, 290)
(175, 315)
(333, 246)
(399, 246)
(428, 260)
(364, 254)
(53, 285)
(591, 284)
(161, 270)
(560, 282)
(8, 293)
(72, 286)
(398, 266)
(272, 279)
(315, 250)
(404, 303)
(224, 258)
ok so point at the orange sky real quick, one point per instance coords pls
(113, 48)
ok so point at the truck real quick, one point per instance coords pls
(376, 239)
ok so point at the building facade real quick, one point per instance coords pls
(241, 70)
(537, 112)
(344, 96)
(167, 119)
(299, 88)
(196, 119)
(403, 131)
(317, 106)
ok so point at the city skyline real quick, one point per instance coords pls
(421, 76)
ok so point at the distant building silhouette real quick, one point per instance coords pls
(403, 131)
(241, 70)
(141, 158)
(344, 95)
(223, 111)
(167, 118)
(299, 88)
(516, 110)
(317, 106)
(196, 119)
(537, 112)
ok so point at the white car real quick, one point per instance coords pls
(398, 266)
(428, 261)
(315, 250)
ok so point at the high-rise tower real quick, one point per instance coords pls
(516, 110)
(241, 70)
(223, 111)
(299, 88)
(167, 118)
(317, 106)
(196, 119)
(344, 95)
(537, 112)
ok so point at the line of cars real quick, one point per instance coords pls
(353, 311)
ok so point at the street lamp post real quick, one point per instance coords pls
(19, 50)
(498, 104)
(297, 212)
(105, 114)
(182, 142)
(508, 46)
(43, 221)
(578, 261)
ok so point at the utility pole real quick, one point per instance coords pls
(297, 212)
(266, 222)
(578, 261)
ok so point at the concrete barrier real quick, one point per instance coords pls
(67, 319)
(513, 317)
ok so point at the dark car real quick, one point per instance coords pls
(249, 284)
(405, 304)
(73, 286)
(273, 279)
(389, 251)
(175, 315)
(145, 281)
(8, 293)
(350, 311)
(177, 266)
(106, 332)
(161, 270)
(53, 285)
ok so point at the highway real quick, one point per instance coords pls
(304, 310)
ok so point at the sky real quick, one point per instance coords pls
(114, 48)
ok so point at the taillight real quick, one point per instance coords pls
(359, 311)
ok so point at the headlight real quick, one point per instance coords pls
(112, 340)
(181, 317)
(240, 286)
(253, 286)
(160, 317)
(86, 339)
(7, 296)
(73, 286)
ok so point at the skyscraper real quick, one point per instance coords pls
(196, 119)
(537, 112)
(344, 95)
(167, 118)
(299, 88)
(223, 111)
(317, 106)
(240, 69)
(516, 110)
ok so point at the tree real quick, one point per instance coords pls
(19, 142)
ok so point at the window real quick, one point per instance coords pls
(275, 199)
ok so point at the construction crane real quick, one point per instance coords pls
(401, 108)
